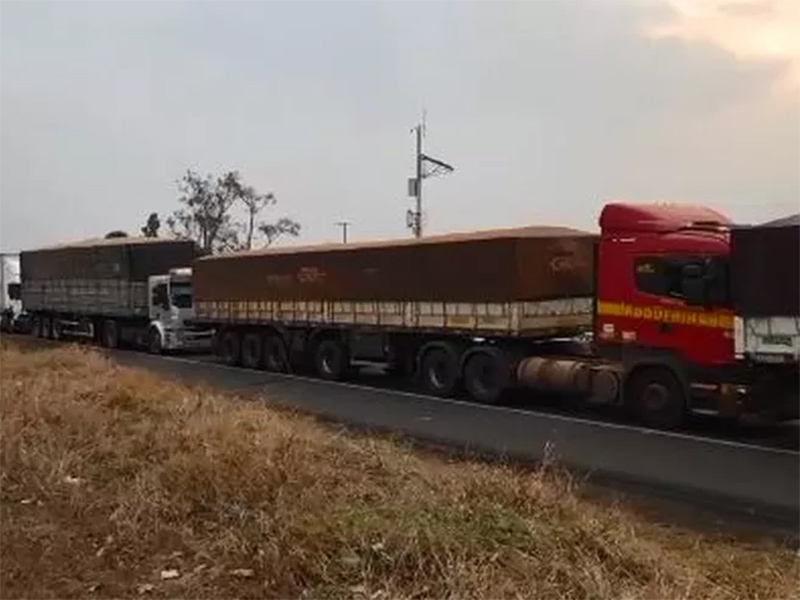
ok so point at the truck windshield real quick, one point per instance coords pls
(181, 294)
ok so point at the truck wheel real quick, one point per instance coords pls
(331, 359)
(276, 359)
(486, 376)
(439, 372)
(47, 327)
(56, 329)
(36, 326)
(251, 351)
(155, 345)
(110, 334)
(229, 349)
(657, 398)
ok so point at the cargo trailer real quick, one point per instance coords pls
(765, 290)
(528, 282)
(133, 291)
(483, 313)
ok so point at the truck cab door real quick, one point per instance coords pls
(159, 302)
(682, 310)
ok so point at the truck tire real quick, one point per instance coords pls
(229, 349)
(486, 376)
(439, 371)
(155, 344)
(252, 351)
(110, 334)
(36, 326)
(331, 360)
(276, 359)
(56, 329)
(47, 327)
(656, 397)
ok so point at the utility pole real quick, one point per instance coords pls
(344, 225)
(425, 167)
(417, 228)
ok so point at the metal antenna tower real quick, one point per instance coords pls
(426, 166)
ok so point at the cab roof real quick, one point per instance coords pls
(659, 217)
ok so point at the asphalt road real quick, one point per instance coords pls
(749, 430)
(728, 479)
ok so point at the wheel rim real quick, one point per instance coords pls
(655, 397)
(274, 356)
(250, 352)
(111, 335)
(328, 361)
(439, 371)
(485, 379)
(437, 374)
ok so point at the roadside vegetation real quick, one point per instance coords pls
(116, 483)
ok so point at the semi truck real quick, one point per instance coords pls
(487, 312)
(117, 291)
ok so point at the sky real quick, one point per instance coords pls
(547, 109)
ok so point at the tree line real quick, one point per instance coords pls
(221, 214)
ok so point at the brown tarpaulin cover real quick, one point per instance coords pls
(532, 263)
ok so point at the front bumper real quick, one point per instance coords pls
(188, 340)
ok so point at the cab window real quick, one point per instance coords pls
(659, 276)
(181, 294)
(668, 277)
(160, 298)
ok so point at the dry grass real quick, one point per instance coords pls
(110, 476)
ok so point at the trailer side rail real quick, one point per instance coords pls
(86, 296)
(509, 318)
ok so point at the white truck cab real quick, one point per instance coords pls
(171, 312)
(10, 305)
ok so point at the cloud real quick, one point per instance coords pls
(750, 30)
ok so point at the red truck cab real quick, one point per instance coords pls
(662, 307)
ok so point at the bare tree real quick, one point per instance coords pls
(208, 215)
(254, 203)
(283, 226)
(205, 217)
